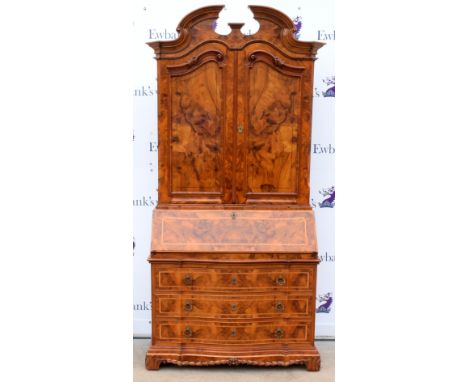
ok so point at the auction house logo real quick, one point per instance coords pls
(329, 195)
(325, 301)
(144, 201)
(297, 21)
(144, 91)
(144, 305)
(330, 82)
(327, 258)
(323, 35)
(329, 88)
(155, 34)
(318, 148)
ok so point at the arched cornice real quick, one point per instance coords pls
(184, 29)
(211, 13)
(197, 27)
(267, 13)
(288, 30)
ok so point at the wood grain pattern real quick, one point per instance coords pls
(243, 277)
(273, 129)
(284, 305)
(196, 162)
(234, 231)
(234, 251)
(223, 332)
(231, 123)
(195, 258)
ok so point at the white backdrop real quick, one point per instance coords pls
(156, 20)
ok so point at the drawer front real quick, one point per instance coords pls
(227, 306)
(219, 332)
(225, 279)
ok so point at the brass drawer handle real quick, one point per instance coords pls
(279, 306)
(279, 333)
(233, 306)
(188, 305)
(234, 280)
(280, 280)
(240, 129)
(188, 279)
(188, 332)
(233, 332)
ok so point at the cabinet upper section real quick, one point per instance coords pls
(234, 113)
(196, 29)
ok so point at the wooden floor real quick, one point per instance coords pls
(169, 373)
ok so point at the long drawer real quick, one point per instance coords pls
(228, 332)
(232, 278)
(233, 306)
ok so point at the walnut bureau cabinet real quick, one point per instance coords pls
(234, 250)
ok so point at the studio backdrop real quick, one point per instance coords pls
(158, 20)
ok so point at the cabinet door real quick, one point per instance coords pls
(196, 129)
(270, 109)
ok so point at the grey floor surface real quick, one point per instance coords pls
(169, 373)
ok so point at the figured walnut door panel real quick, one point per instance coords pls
(197, 128)
(272, 113)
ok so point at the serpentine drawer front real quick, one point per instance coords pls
(233, 249)
(225, 332)
(233, 306)
(250, 279)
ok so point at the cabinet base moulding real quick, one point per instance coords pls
(202, 355)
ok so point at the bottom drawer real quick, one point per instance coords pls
(203, 331)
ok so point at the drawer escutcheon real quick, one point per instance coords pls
(188, 305)
(188, 280)
(279, 306)
(280, 280)
(188, 332)
(279, 333)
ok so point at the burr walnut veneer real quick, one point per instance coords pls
(234, 252)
